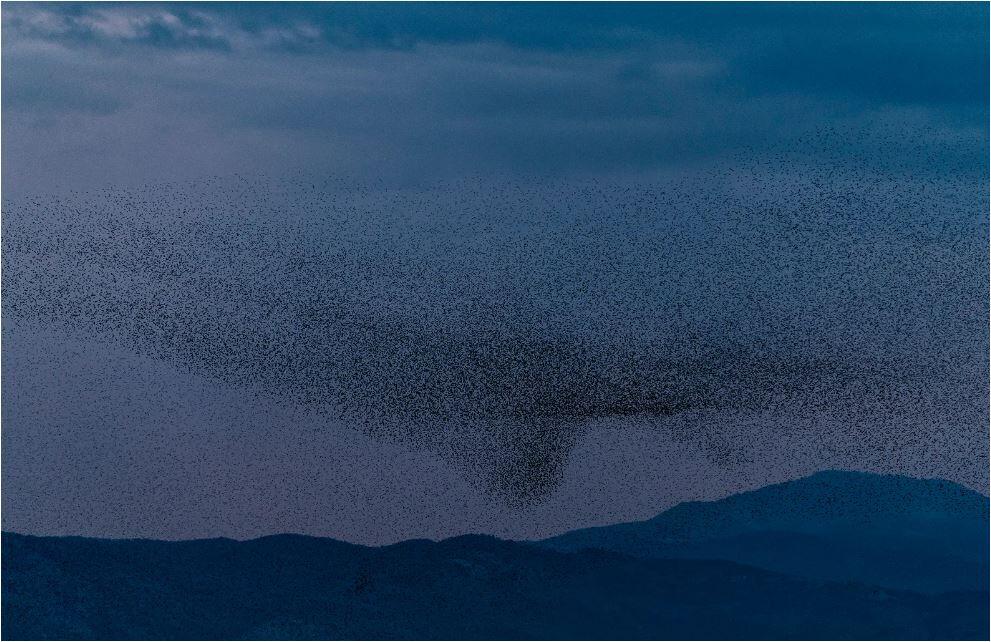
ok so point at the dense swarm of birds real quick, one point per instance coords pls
(493, 322)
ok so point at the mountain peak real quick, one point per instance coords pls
(920, 533)
(846, 494)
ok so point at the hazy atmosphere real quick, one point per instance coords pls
(409, 271)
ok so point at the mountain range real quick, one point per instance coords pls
(837, 555)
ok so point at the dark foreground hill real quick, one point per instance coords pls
(886, 530)
(465, 588)
(469, 587)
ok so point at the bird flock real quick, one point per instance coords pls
(493, 322)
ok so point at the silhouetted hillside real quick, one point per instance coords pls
(893, 531)
(467, 588)
(479, 587)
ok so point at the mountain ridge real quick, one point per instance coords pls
(290, 586)
(460, 588)
(926, 535)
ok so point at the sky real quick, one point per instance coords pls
(386, 271)
(118, 94)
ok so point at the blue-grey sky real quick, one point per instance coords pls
(395, 270)
(124, 94)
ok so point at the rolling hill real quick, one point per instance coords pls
(886, 530)
(480, 587)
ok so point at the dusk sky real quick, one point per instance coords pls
(387, 271)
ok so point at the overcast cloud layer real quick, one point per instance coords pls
(118, 94)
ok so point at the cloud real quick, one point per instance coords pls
(133, 93)
(164, 26)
